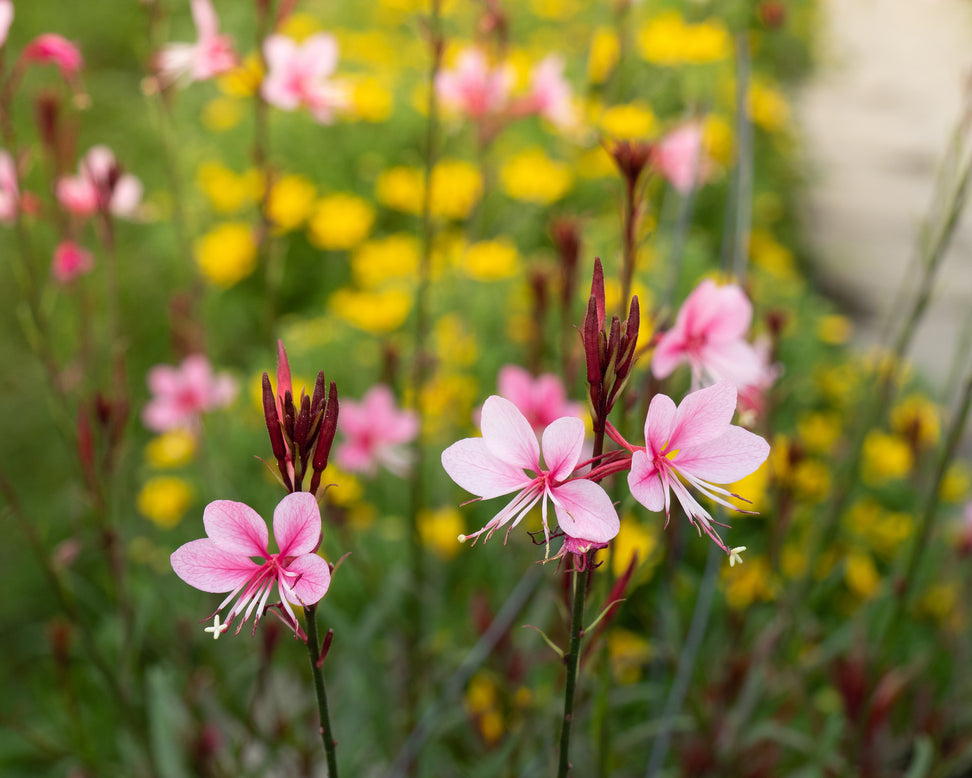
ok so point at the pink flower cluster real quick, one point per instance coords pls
(182, 394)
(375, 433)
(211, 55)
(299, 75)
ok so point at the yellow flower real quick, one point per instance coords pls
(838, 383)
(811, 480)
(633, 538)
(400, 188)
(171, 449)
(834, 329)
(376, 312)
(860, 574)
(535, 178)
(771, 256)
(343, 489)
(768, 107)
(243, 80)
(595, 163)
(941, 603)
(956, 483)
(884, 531)
(482, 703)
(491, 260)
(447, 402)
(340, 221)
(717, 138)
(628, 121)
(456, 188)
(221, 114)
(290, 201)
(916, 419)
(793, 561)
(668, 40)
(452, 343)
(440, 529)
(885, 458)
(227, 254)
(299, 26)
(819, 432)
(227, 191)
(603, 56)
(394, 257)
(164, 500)
(751, 581)
(628, 654)
(371, 101)
(554, 9)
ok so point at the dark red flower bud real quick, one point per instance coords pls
(273, 420)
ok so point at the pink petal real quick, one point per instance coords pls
(508, 435)
(473, 466)
(320, 53)
(733, 455)
(584, 510)
(703, 415)
(297, 524)
(314, 581)
(645, 482)
(236, 528)
(562, 444)
(202, 564)
(126, 196)
(736, 361)
(658, 423)
(669, 353)
(164, 379)
(515, 384)
(205, 19)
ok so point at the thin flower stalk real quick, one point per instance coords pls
(314, 654)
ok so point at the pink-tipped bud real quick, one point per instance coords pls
(597, 291)
(284, 384)
(51, 48)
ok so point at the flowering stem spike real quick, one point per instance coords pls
(325, 648)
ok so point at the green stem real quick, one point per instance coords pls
(314, 651)
(572, 658)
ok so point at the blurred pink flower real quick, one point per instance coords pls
(694, 442)
(680, 158)
(752, 396)
(223, 561)
(375, 432)
(300, 75)
(541, 400)
(708, 334)
(550, 93)
(211, 54)
(99, 186)
(55, 49)
(181, 394)
(473, 88)
(507, 459)
(6, 19)
(70, 261)
(9, 189)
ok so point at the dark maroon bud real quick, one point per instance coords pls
(273, 420)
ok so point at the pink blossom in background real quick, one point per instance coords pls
(708, 334)
(181, 394)
(99, 186)
(9, 189)
(550, 93)
(752, 396)
(70, 262)
(680, 158)
(300, 75)
(223, 561)
(506, 459)
(375, 433)
(541, 400)
(695, 443)
(6, 19)
(473, 87)
(51, 48)
(211, 54)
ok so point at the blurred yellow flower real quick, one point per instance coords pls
(340, 221)
(838, 383)
(243, 80)
(440, 529)
(227, 253)
(860, 574)
(453, 343)
(456, 188)
(222, 113)
(941, 603)
(164, 500)
(595, 163)
(628, 654)
(882, 530)
(371, 101)
(885, 458)
(447, 402)
(834, 329)
(400, 188)
(299, 26)
(391, 258)
(171, 449)
(811, 480)
(378, 312)
(227, 191)
(628, 121)
(535, 178)
(751, 581)
(718, 138)
(482, 704)
(555, 9)
(343, 489)
(634, 537)
(603, 56)
(491, 260)
(668, 40)
(916, 419)
(819, 432)
(956, 483)
(768, 107)
(793, 561)
(770, 255)
(290, 201)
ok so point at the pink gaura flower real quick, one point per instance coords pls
(541, 400)
(680, 158)
(51, 48)
(6, 19)
(473, 88)
(224, 561)
(181, 394)
(375, 432)
(99, 186)
(211, 54)
(70, 262)
(550, 93)
(506, 459)
(752, 396)
(9, 189)
(300, 75)
(708, 334)
(693, 444)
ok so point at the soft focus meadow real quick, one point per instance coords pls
(644, 515)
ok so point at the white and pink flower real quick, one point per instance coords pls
(299, 75)
(70, 262)
(211, 55)
(474, 88)
(9, 189)
(180, 395)
(375, 433)
(100, 186)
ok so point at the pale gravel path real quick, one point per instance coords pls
(875, 121)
